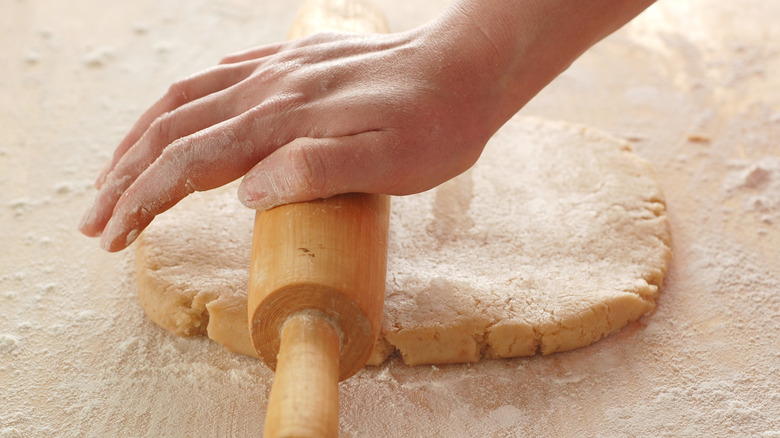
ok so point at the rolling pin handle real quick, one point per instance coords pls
(304, 400)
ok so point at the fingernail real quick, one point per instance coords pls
(111, 239)
(107, 238)
(253, 200)
(87, 219)
(131, 236)
(84, 219)
(101, 179)
(110, 236)
(250, 196)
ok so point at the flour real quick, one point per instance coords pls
(757, 185)
(9, 432)
(98, 57)
(147, 381)
(8, 344)
(705, 363)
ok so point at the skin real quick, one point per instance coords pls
(335, 113)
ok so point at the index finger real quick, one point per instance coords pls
(179, 93)
(202, 161)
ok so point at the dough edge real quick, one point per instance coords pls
(189, 312)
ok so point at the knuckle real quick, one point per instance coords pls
(309, 166)
(285, 104)
(314, 39)
(279, 66)
(179, 146)
(177, 164)
(179, 92)
(162, 128)
(229, 59)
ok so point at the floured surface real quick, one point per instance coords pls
(693, 85)
(555, 238)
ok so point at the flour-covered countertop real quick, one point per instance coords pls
(692, 84)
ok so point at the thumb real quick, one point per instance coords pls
(313, 168)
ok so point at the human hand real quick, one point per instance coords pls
(337, 113)
(307, 119)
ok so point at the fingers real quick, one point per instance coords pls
(313, 168)
(254, 53)
(165, 130)
(180, 93)
(274, 48)
(205, 160)
(184, 167)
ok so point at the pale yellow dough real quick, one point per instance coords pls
(555, 238)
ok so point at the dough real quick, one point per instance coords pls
(555, 238)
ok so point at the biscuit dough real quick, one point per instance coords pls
(557, 237)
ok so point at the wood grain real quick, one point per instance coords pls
(317, 278)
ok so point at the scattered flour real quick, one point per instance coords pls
(757, 184)
(98, 57)
(10, 432)
(8, 344)
(79, 358)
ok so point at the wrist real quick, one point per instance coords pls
(469, 67)
(504, 52)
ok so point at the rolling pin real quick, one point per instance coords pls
(317, 277)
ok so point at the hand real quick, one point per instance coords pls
(337, 113)
(307, 119)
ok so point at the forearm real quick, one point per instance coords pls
(516, 47)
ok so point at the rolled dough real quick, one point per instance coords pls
(557, 237)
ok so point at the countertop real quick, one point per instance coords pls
(692, 84)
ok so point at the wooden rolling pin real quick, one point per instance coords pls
(317, 277)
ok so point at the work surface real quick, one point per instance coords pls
(693, 85)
